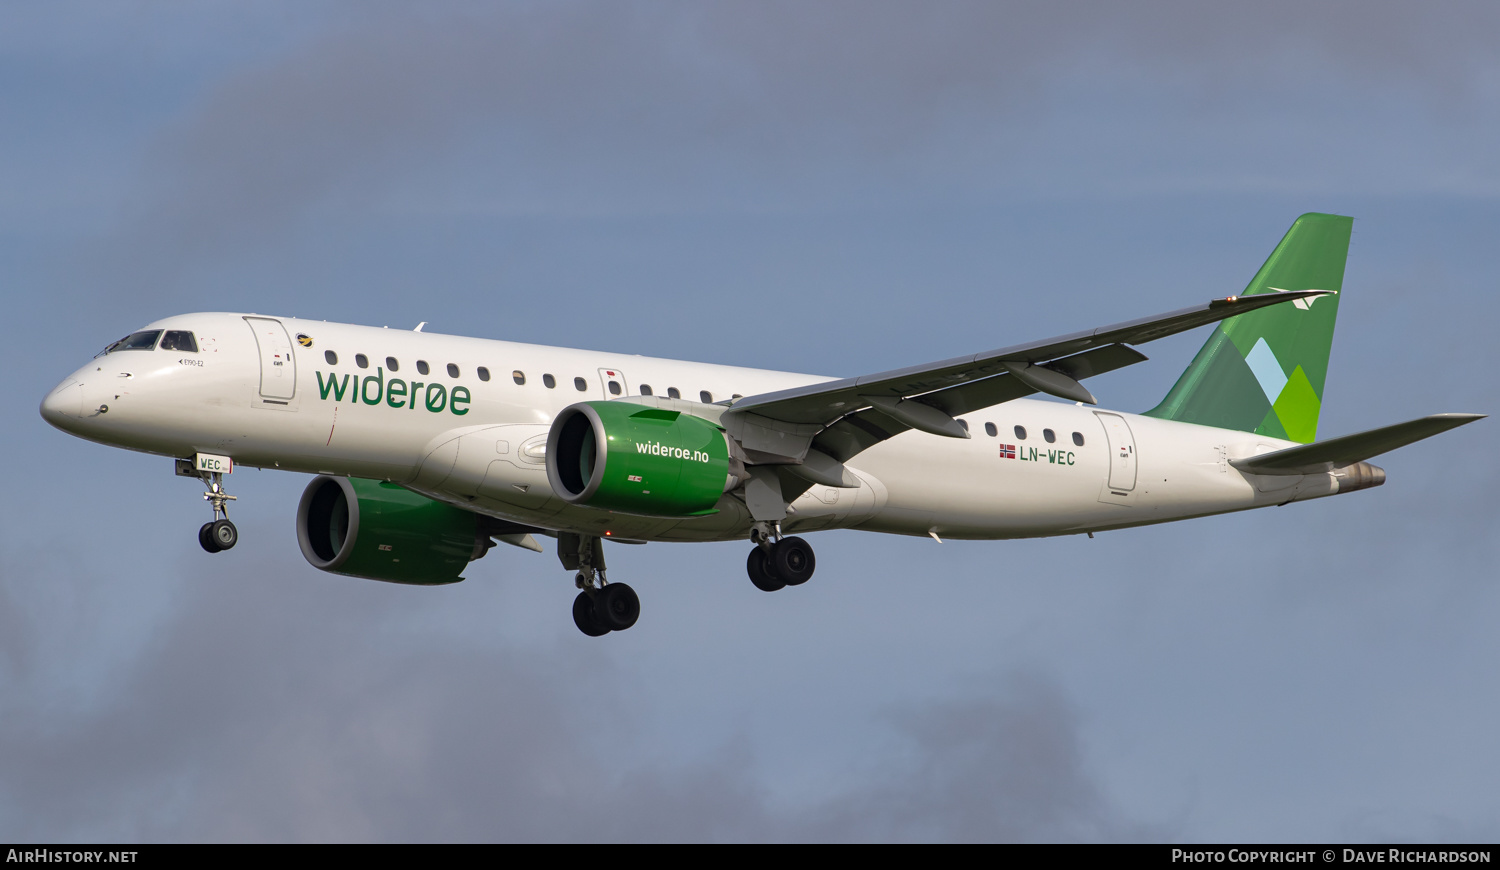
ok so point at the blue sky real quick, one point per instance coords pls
(836, 188)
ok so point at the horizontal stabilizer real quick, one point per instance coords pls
(1338, 452)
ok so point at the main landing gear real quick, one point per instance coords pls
(778, 562)
(218, 533)
(601, 606)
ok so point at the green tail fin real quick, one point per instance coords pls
(1264, 371)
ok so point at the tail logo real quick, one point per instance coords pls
(1304, 304)
(1267, 369)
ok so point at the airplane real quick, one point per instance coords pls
(430, 449)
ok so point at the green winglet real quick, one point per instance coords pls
(1264, 371)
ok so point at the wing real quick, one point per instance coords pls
(841, 418)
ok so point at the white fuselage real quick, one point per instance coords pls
(480, 444)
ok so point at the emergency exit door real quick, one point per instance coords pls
(1122, 459)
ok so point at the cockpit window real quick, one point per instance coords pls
(179, 340)
(136, 341)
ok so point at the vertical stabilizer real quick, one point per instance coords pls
(1264, 371)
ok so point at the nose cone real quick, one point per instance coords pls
(64, 405)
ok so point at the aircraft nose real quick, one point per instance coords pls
(64, 403)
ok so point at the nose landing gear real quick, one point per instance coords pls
(219, 533)
(778, 562)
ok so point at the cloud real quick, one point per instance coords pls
(677, 105)
(403, 117)
(261, 711)
(1007, 767)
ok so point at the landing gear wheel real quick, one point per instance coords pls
(585, 618)
(761, 574)
(617, 607)
(205, 538)
(792, 559)
(224, 534)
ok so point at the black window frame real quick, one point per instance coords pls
(118, 345)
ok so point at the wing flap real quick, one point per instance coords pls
(1325, 456)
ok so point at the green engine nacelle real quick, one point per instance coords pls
(379, 531)
(637, 459)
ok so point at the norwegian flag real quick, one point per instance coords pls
(1007, 451)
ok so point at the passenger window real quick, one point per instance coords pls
(614, 388)
(484, 373)
(645, 389)
(965, 424)
(990, 430)
(1078, 438)
(361, 360)
(179, 340)
(1049, 435)
(548, 381)
(519, 377)
(333, 358)
(452, 370)
(706, 397)
(580, 384)
(1020, 433)
(390, 363)
(673, 393)
(422, 368)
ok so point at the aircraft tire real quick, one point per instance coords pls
(224, 534)
(205, 538)
(793, 561)
(761, 573)
(585, 618)
(617, 607)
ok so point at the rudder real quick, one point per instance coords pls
(1264, 371)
